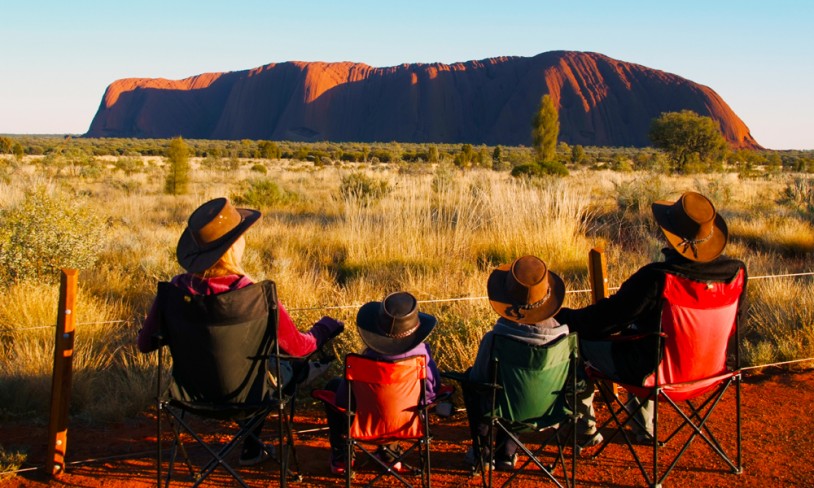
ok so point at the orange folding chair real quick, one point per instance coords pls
(388, 406)
(699, 322)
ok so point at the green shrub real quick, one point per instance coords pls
(46, 232)
(261, 193)
(10, 460)
(546, 168)
(359, 186)
(799, 195)
(259, 168)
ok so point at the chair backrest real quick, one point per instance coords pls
(698, 321)
(387, 396)
(220, 344)
(533, 379)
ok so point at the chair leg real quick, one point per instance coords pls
(738, 423)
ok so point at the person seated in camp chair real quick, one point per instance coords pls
(210, 249)
(696, 235)
(391, 329)
(526, 295)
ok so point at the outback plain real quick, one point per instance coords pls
(337, 233)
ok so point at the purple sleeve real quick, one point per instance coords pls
(433, 377)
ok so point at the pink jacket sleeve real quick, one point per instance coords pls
(292, 341)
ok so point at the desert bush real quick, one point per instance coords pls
(361, 187)
(799, 195)
(262, 193)
(545, 168)
(637, 195)
(259, 168)
(48, 231)
(10, 460)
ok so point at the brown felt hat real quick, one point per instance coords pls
(211, 230)
(394, 325)
(692, 226)
(525, 291)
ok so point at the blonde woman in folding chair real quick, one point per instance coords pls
(210, 250)
(696, 235)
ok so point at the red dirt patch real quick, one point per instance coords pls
(777, 447)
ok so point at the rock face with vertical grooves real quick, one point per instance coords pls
(601, 101)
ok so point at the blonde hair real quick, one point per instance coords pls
(226, 265)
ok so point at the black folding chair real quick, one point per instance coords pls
(221, 346)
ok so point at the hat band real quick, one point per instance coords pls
(538, 303)
(406, 333)
(691, 244)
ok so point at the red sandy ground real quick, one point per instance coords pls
(778, 448)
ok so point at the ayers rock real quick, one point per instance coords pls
(602, 102)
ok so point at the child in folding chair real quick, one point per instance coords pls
(526, 295)
(210, 250)
(391, 329)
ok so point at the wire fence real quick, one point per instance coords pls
(10, 330)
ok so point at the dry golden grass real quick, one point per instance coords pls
(437, 234)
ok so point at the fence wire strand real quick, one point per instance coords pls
(9, 330)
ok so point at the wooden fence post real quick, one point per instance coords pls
(598, 275)
(61, 381)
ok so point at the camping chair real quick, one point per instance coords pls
(699, 321)
(220, 347)
(531, 389)
(388, 406)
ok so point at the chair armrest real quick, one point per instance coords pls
(463, 379)
(634, 337)
(328, 397)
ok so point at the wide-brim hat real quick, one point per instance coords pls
(692, 226)
(525, 290)
(211, 230)
(394, 325)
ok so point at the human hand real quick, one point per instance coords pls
(330, 326)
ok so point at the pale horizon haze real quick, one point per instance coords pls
(59, 57)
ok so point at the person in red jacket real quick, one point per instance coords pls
(210, 250)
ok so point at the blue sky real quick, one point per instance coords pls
(57, 57)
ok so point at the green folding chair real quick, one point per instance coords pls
(532, 389)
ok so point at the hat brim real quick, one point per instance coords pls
(707, 250)
(501, 303)
(196, 260)
(374, 339)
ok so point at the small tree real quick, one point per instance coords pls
(5, 145)
(688, 137)
(545, 130)
(178, 175)
(432, 154)
(269, 150)
(577, 153)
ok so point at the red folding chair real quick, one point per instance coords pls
(388, 406)
(699, 321)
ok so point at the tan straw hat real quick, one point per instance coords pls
(525, 291)
(692, 226)
(211, 230)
